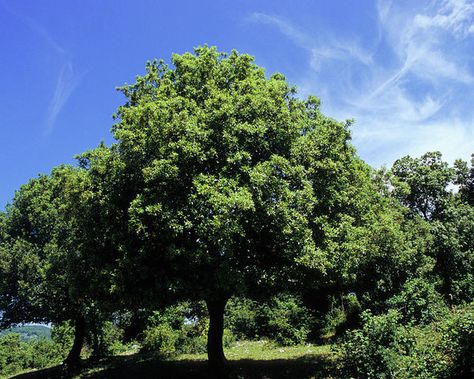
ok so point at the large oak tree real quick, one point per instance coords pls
(233, 177)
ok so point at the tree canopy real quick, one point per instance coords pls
(223, 182)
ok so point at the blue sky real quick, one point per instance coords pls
(404, 70)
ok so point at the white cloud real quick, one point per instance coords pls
(285, 27)
(409, 91)
(451, 137)
(65, 84)
(455, 16)
(67, 78)
(321, 50)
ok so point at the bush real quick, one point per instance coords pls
(242, 318)
(282, 319)
(14, 355)
(458, 342)
(181, 328)
(366, 352)
(342, 316)
(111, 340)
(17, 355)
(419, 302)
(385, 348)
(44, 353)
(192, 344)
(286, 320)
(63, 336)
(161, 338)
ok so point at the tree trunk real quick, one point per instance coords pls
(215, 349)
(96, 343)
(74, 357)
(137, 326)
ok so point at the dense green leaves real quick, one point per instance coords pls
(212, 139)
(223, 182)
(422, 183)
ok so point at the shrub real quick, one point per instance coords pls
(419, 302)
(367, 351)
(458, 342)
(111, 339)
(63, 336)
(287, 320)
(343, 315)
(282, 319)
(43, 353)
(385, 348)
(192, 344)
(181, 328)
(14, 355)
(17, 355)
(161, 338)
(242, 318)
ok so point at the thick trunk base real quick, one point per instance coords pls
(73, 359)
(215, 348)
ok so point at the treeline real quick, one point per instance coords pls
(224, 187)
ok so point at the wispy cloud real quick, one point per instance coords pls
(67, 78)
(65, 85)
(409, 88)
(455, 16)
(320, 50)
(285, 27)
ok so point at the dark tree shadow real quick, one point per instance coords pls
(146, 367)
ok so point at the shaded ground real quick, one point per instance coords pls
(247, 360)
(128, 367)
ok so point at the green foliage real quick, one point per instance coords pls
(29, 331)
(453, 249)
(418, 302)
(182, 329)
(224, 184)
(334, 320)
(286, 320)
(62, 335)
(18, 355)
(465, 180)
(344, 313)
(283, 319)
(112, 339)
(385, 348)
(45, 353)
(366, 351)
(13, 354)
(422, 183)
(458, 342)
(106, 339)
(39, 271)
(161, 338)
(242, 317)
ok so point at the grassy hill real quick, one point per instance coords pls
(29, 331)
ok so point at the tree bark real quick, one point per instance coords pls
(74, 357)
(215, 349)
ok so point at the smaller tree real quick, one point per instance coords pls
(41, 268)
(453, 249)
(422, 184)
(465, 180)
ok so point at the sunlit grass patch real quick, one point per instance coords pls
(265, 350)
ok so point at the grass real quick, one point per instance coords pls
(265, 350)
(246, 359)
